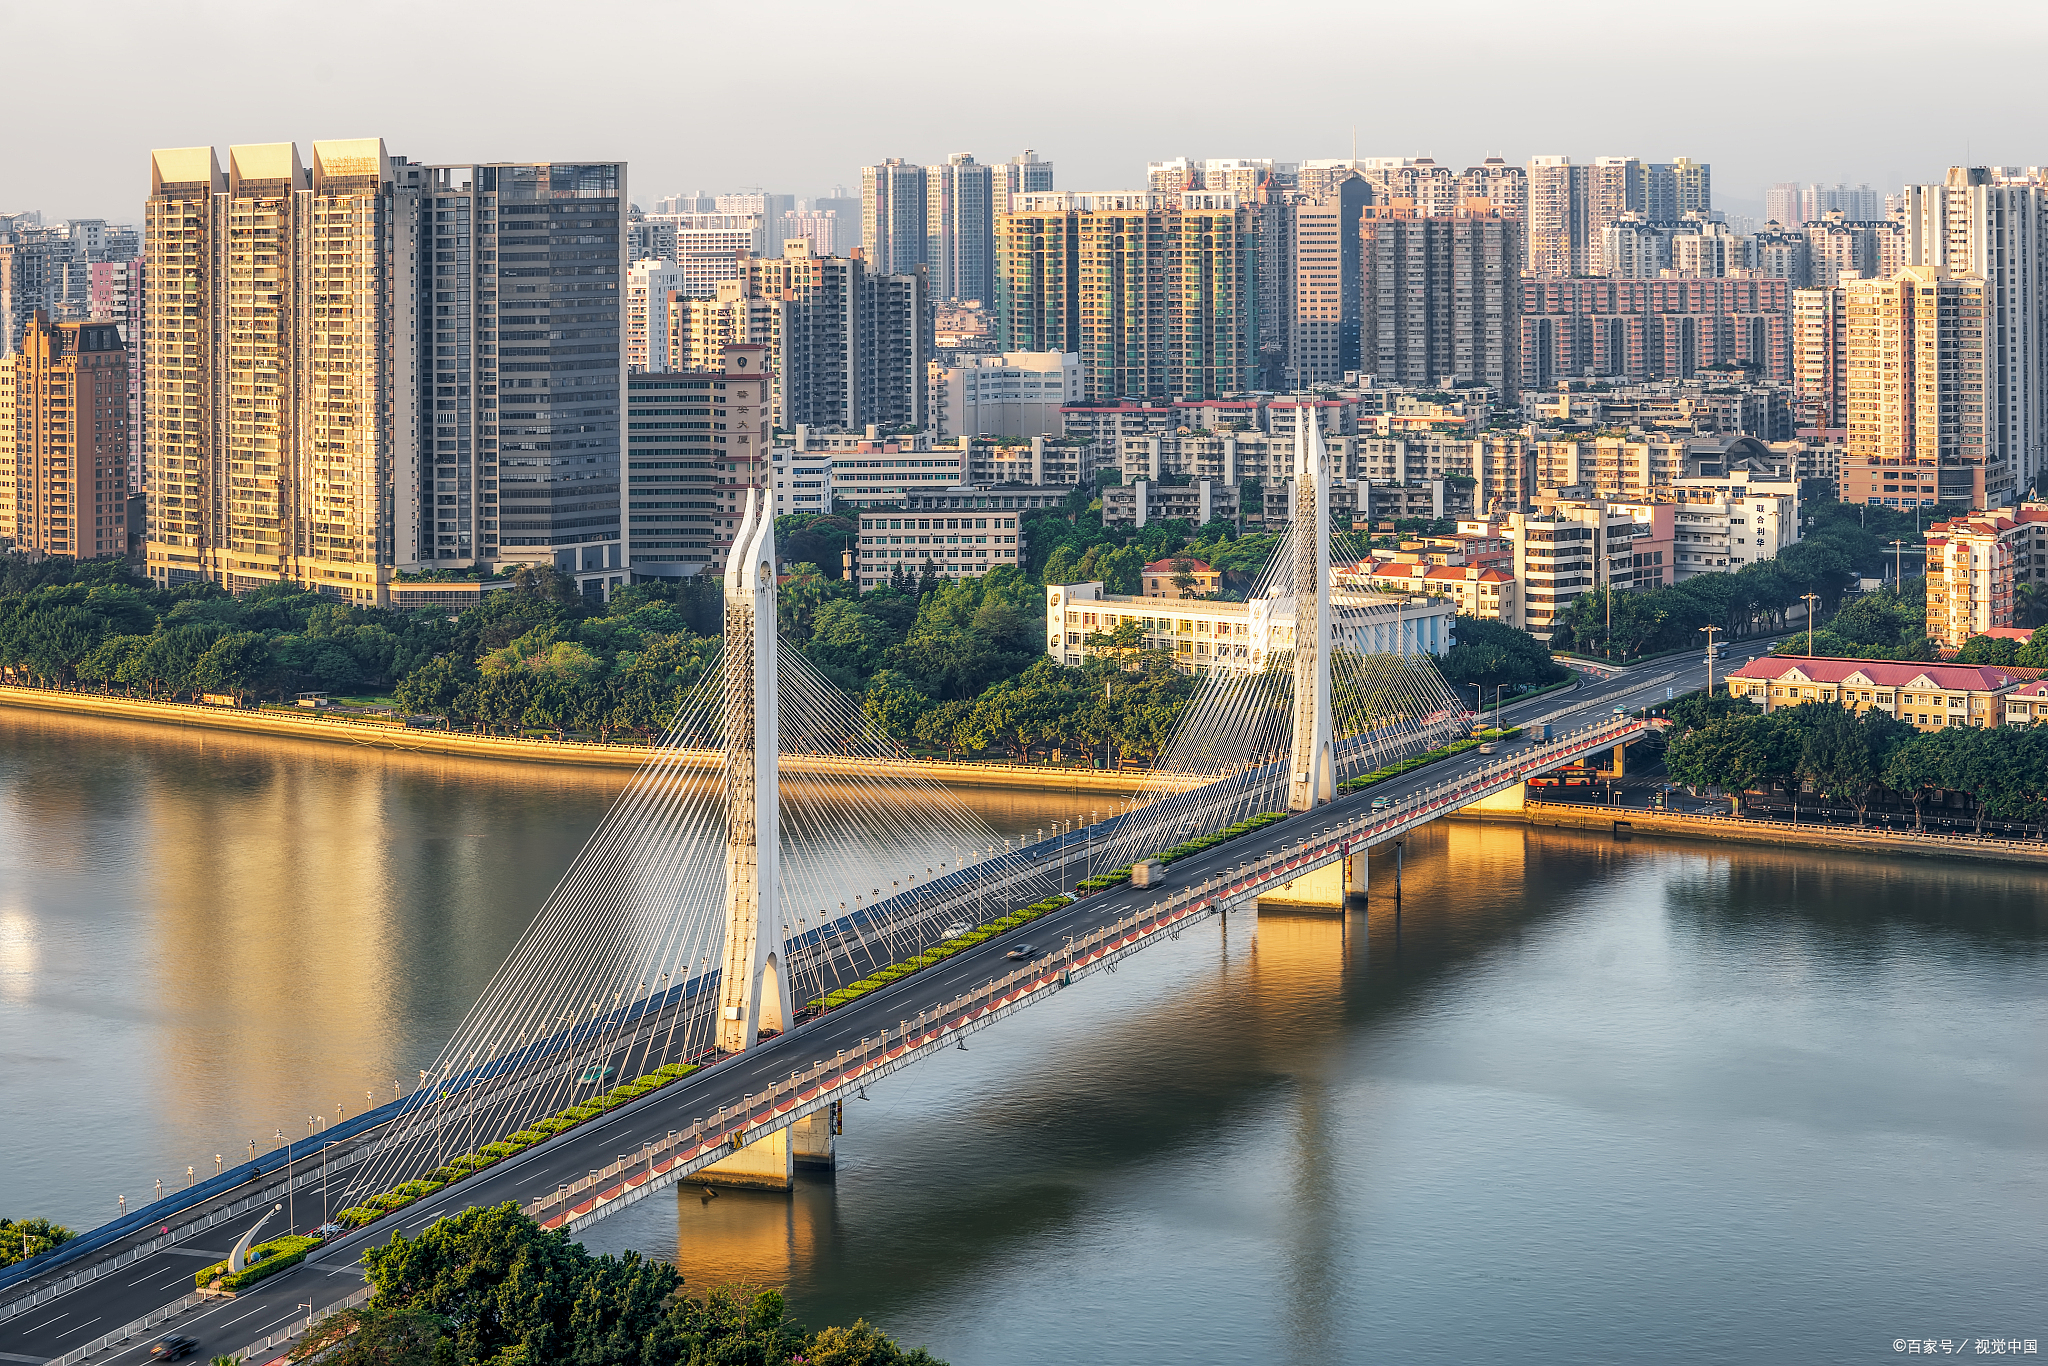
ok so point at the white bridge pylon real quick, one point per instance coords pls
(1312, 762)
(754, 979)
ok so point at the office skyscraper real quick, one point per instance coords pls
(368, 366)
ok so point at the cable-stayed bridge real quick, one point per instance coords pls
(714, 920)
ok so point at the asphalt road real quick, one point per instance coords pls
(76, 1318)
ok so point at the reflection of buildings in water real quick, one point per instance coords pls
(760, 1238)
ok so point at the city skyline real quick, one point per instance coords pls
(1101, 134)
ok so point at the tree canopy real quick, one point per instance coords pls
(490, 1287)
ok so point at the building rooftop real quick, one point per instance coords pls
(1172, 566)
(1883, 673)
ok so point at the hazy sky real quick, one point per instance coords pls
(796, 96)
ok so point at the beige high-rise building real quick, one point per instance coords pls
(1916, 354)
(64, 439)
(275, 422)
(333, 395)
(699, 330)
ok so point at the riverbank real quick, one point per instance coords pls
(329, 729)
(1736, 829)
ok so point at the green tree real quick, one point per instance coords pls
(847, 643)
(1844, 752)
(232, 663)
(22, 1239)
(860, 1345)
(895, 705)
(1730, 754)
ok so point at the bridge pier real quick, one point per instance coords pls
(1327, 888)
(814, 1139)
(765, 1164)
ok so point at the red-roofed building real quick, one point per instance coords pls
(1925, 696)
(1975, 565)
(1162, 579)
(2027, 705)
(1479, 591)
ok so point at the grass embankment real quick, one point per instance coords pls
(403, 1194)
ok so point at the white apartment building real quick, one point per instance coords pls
(1724, 522)
(1240, 637)
(1040, 461)
(899, 543)
(708, 246)
(803, 483)
(1017, 393)
(648, 283)
(870, 470)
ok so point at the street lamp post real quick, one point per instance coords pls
(1812, 601)
(1710, 630)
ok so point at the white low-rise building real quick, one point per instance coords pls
(1239, 637)
(1018, 393)
(1723, 522)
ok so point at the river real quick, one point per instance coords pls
(1587, 1101)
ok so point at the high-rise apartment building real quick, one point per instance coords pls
(700, 330)
(64, 440)
(1918, 350)
(1838, 247)
(959, 221)
(366, 366)
(1023, 174)
(1442, 297)
(1559, 231)
(1976, 566)
(1980, 223)
(1159, 293)
(818, 227)
(1782, 254)
(648, 286)
(1633, 248)
(893, 204)
(1673, 190)
(1706, 250)
(1323, 340)
(116, 297)
(1570, 205)
(1820, 372)
(755, 203)
(1791, 204)
(707, 247)
(1653, 329)
(845, 347)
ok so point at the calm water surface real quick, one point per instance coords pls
(1590, 1102)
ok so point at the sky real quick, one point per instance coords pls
(796, 96)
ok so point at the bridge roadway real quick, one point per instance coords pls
(75, 1319)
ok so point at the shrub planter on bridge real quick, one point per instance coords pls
(540, 1131)
(270, 1258)
(895, 972)
(1423, 760)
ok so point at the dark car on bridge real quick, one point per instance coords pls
(173, 1347)
(1023, 953)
